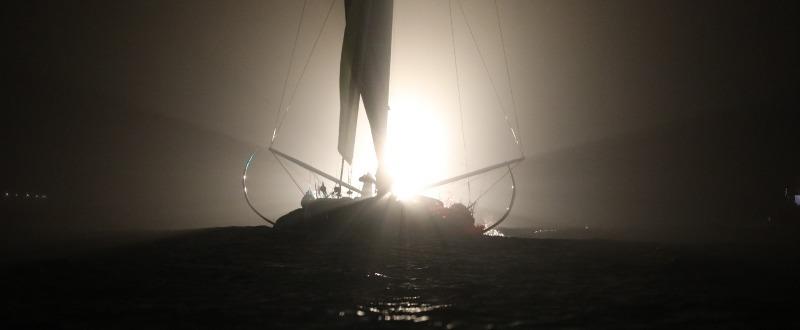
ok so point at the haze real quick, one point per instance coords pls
(641, 116)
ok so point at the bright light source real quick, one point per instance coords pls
(415, 151)
(797, 200)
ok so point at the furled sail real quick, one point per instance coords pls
(364, 71)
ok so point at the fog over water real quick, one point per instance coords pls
(636, 116)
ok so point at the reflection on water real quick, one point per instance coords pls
(378, 275)
(494, 232)
(249, 278)
(393, 299)
(405, 309)
(401, 309)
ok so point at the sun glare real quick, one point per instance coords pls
(415, 151)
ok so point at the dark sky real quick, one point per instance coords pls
(634, 114)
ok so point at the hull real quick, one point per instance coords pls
(379, 218)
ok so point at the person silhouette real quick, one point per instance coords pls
(368, 188)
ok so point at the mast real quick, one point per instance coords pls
(364, 75)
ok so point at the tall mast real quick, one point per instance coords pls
(364, 74)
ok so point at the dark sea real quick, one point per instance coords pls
(252, 278)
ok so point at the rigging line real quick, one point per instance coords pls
(490, 188)
(508, 76)
(510, 203)
(486, 68)
(349, 174)
(244, 188)
(341, 170)
(288, 71)
(460, 106)
(305, 66)
(300, 189)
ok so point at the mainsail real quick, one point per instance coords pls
(364, 72)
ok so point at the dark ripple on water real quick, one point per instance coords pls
(252, 278)
(495, 283)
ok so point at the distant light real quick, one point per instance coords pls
(27, 195)
(44, 196)
(6, 194)
(797, 200)
(37, 196)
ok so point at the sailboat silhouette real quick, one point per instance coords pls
(364, 77)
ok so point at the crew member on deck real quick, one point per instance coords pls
(368, 188)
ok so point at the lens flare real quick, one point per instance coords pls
(415, 152)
